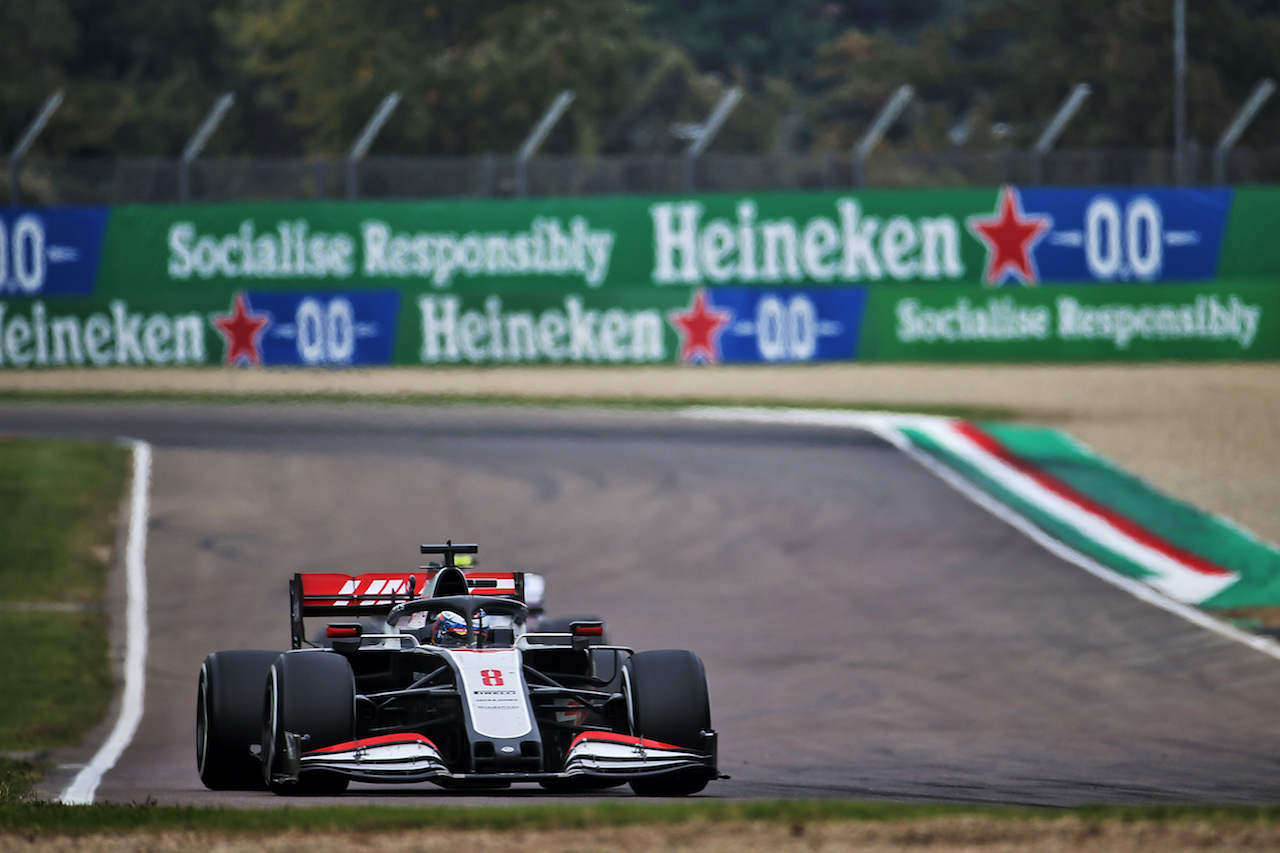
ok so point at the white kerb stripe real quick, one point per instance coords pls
(82, 789)
(1172, 577)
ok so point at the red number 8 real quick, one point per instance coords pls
(491, 677)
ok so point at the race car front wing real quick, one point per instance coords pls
(610, 754)
(377, 759)
(414, 758)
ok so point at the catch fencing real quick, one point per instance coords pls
(157, 180)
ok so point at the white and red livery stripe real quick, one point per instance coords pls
(409, 754)
(612, 754)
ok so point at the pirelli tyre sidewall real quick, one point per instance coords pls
(668, 701)
(229, 718)
(310, 693)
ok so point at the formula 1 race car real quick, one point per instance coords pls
(436, 677)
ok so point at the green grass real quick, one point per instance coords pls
(17, 777)
(38, 818)
(58, 502)
(57, 678)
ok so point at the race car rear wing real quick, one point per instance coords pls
(334, 595)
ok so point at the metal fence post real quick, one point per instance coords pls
(700, 135)
(196, 144)
(1179, 89)
(536, 137)
(489, 171)
(1229, 137)
(888, 114)
(1051, 133)
(27, 140)
(361, 147)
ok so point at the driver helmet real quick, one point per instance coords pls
(449, 629)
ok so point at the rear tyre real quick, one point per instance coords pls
(312, 694)
(229, 719)
(668, 701)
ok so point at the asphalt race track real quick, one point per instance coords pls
(868, 632)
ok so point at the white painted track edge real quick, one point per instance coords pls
(84, 787)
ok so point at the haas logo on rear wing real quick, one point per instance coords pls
(329, 595)
(321, 592)
(366, 591)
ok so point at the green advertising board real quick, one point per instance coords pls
(607, 243)
(976, 274)
(1251, 245)
(1135, 323)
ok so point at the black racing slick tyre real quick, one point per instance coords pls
(668, 701)
(313, 694)
(229, 719)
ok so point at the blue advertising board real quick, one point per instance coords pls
(1116, 234)
(750, 325)
(50, 251)
(319, 328)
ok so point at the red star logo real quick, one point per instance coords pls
(242, 328)
(700, 328)
(1010, 236)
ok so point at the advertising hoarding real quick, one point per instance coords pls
(1002, 273)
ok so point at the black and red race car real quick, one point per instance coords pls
(435, 676)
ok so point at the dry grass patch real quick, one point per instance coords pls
(959, 834)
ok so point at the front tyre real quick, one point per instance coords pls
(229, 718)
(668, 701)
(311, 694)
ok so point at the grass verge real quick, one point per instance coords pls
(17, 777)
(58, 501)
(30, 818)
(58, 680)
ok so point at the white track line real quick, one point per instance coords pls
(885, 426)
(82, 789)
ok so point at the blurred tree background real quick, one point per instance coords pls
(475, 77)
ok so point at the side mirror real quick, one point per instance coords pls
(345, 636)
(587, 633)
